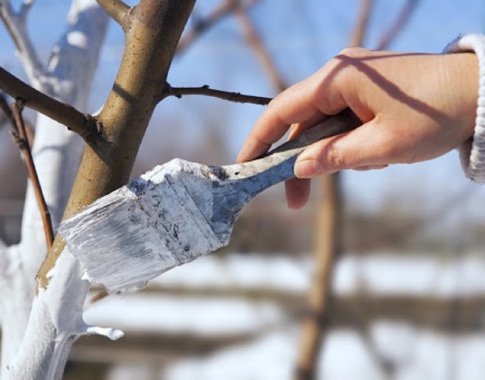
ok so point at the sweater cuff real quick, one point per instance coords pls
(472, 152)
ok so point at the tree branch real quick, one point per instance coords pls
(16, 24)
(396, 27)
(225, 8)
(207, 91)
(20, 137)
(261, 52)
(24, 9)
(358, 35)
(151, 42)
(118, 11)
(84, 125)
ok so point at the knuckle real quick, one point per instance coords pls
(349, 62)
(353, 52)
(334, 158)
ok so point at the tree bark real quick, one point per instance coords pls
(56, 152)
(55, 320)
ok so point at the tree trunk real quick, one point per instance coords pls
(37, 345)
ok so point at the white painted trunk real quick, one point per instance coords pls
(39, 331)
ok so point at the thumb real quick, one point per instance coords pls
(366, 146)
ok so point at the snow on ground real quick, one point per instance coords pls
(413, 274)
(346, 355)
(378, 274)
(201, 316)
(240, 271)
(408, 352)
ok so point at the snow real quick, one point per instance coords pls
(346, 355)
(263, 360)
(202, 316)
(412, 275)
(384, 274)
(376, 274)
(240, 271)
(387, 349)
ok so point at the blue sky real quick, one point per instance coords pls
(301, 35)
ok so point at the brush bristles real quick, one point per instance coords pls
(139, 231)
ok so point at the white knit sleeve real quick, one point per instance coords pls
(472, 152)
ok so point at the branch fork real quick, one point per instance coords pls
(117, 10)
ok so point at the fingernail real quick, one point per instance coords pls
(308, 168)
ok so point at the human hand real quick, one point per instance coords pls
(414, 107)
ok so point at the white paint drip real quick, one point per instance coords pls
(111, 333)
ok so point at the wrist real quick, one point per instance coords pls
(462, 79)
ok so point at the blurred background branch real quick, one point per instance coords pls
(201, 25)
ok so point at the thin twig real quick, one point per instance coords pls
(8, 118)
(117, 9)
(358, 35)
(200, 26)
(261, 52)
(20, 137)
(84, 125)
(207, 91)
(396, 27)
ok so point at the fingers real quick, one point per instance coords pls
(298, 104)
(297, 192)
(368, 146)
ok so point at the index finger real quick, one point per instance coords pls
(293, 105)
(302, 103)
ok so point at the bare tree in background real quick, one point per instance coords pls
(329, 224)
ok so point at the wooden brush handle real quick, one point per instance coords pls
(271, 164)
(343, 122)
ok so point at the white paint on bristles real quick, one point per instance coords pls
(145, 228)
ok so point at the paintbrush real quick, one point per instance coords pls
(177, 212)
